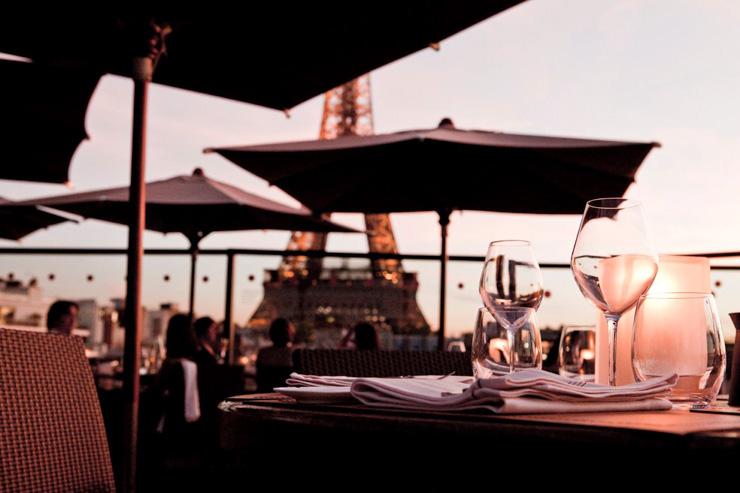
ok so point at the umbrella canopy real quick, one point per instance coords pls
(270, 54)
(195, 206)
(442, 169)
(17, 221)
(459, 169)
(44, 115)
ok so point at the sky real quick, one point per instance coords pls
(642, 70)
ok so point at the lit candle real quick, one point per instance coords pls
(677, 274)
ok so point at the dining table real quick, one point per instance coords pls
(265, 432)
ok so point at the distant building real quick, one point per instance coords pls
(339, 299)
(22, 304)
(323, 302)
(89, 317)
(155, 322)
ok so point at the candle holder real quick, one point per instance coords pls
(680, 333)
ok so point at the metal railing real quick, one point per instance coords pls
(231, 253)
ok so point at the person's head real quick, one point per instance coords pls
(62, 316)
(366, 338)
(206, 330)
(180, 337)
(281, 332)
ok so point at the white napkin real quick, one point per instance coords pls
(299, 380)
(524, 392)
(528, 391)
(192, 399)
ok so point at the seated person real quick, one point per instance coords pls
(275, 363)
(177, 383)
(62, 317)
(206, 332)
(362, 337)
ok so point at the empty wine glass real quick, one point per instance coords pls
(511, 276)
(501, 348)
(613, 261)
(578, 352)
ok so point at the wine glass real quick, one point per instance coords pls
(511, 290)
(577, 352)
(613, 261)
(511, 276)
(499, 350)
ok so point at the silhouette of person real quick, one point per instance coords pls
(206, 332)
(362, 337)
(62, 317)
(275, 363)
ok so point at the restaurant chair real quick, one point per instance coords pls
(52, 437)
(380, 363)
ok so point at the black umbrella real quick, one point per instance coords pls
(17, 221)
(43, 109)
(195, 206)
(273, 54)
(443, 169)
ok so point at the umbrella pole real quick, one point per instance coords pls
(133, 319)
(193, 261)
(229, 307)
(444, 221)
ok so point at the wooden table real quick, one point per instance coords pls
(344, 436)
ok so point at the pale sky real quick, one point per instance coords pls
(643, 70)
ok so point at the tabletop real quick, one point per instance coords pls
(258, 420)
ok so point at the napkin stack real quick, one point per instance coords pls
(523, 392)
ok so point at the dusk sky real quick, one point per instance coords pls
(647, 70)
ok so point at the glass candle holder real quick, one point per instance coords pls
(680, 333)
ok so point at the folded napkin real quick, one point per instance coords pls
(299, 380)
(523, 392)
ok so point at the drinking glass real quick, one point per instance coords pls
(511, 276)
(613, 261)
(680, 333)
(578, 352)
(501, 348)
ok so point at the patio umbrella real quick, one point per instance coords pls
(195, 206)
(443, 169)
(44, 113)
(272, 54)
(268, 53)
(17, 221)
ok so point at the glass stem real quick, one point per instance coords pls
(612, 321)
(511, 335)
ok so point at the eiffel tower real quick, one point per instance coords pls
(324, 300)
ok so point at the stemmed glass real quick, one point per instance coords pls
(511, 288)
(499, 349)
(613, 261)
